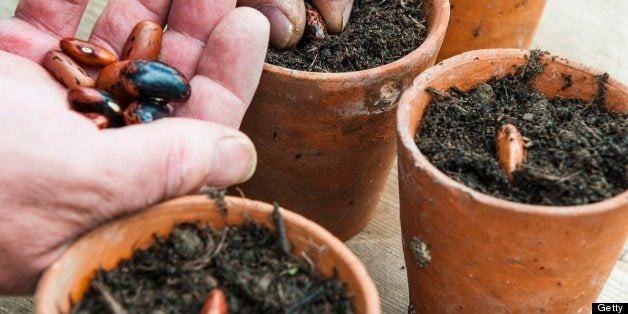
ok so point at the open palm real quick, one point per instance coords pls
(61, 176)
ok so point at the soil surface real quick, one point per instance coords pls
(176, 274)
(379, 32)
(577, 150)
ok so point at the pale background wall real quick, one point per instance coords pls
(594, 32)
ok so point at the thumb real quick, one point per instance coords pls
(173, 157)
(287, 20)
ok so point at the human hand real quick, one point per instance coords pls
(61, 176)
(287, 17)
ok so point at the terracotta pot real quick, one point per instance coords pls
(325, 141)
(68, 278)
(480, 24)
(491, 255)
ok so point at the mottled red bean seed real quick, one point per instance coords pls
(144, 42)
(109, 81)
(87, 100)
(66, 71)
(315, 28)
(154, 79)
(87, 53)
(98, 119)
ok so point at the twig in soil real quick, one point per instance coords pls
(313, 61)
(308, 260)
(437, 92)
(203, 261)
(110, 300)
(305, 301)
(548, 178)
(240, 191)
(221, 244)
(280, 230)
(459, 91)
(593, 133)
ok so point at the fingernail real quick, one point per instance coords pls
(280, 27)
(346, 15)
(234, 161)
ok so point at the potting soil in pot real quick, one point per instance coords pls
(176, 274)
(576, 150)
(379, 32)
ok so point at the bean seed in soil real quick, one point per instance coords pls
(577, 150)
(177, 273)
(379, 32)
(315, 28)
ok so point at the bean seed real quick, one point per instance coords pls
(145, 112)
(511, 151)
(66, 71)
(153, 79)
(86, 100)
(87, 53)
(144, 42)
(315, 28)
(98, 119)
(109, 81)
(216, 303)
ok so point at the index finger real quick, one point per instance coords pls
(336, 13)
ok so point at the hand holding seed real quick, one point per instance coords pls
(61, 175)
(289, 19)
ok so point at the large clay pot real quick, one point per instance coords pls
(326, 141)
(470, 252)
(68, 278)
(481, 24)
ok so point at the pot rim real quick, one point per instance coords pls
(435, 33)
(363, 279)
(406, 138)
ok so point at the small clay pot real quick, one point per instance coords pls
(481, 24)
(68, 278)
(470, 252)
(325, 141)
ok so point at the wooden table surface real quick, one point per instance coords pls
(590, 31)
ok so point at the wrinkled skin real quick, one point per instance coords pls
(287, 17)
(61, 176)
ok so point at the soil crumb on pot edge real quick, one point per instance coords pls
(577, 150)
(379, 32)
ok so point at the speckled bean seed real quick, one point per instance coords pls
(145, 112)
(87, 53)
(66, 71)
(144, 42)
(154, 79)
(98, 119)
(315, 28)
(87, 100)
(109, 81)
